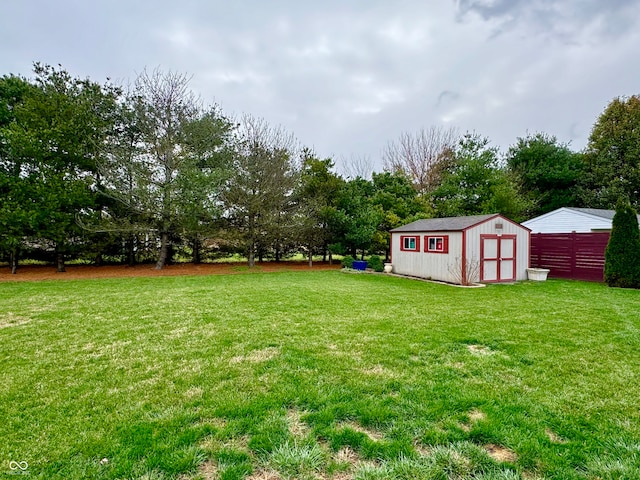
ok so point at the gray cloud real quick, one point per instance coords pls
(348, 77)
(562, 20)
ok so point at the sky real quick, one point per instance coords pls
(349, 77)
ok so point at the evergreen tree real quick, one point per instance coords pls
(622, 257)
(258, 198)
(316, 196)
(50, 147)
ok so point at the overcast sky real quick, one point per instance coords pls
(346, 77)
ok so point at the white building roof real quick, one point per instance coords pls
(571, 219)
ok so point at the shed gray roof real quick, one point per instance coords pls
(450, 224)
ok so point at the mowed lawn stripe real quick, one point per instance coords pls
(189, 377)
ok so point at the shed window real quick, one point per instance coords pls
(411, 244)
(436, 244)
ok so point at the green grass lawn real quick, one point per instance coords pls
(318, 375)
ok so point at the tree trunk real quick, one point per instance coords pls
(131, 252)
(171, 252)
(330, 258)
(197, 259)
(252, 256)
(60, 262)
(277, 252)
(13, 260)
(164, 250)
(310, 257)
(98, 260)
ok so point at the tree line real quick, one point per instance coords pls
(151, 173)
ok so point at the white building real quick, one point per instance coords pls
(570, 219)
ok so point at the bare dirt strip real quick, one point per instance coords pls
(76, 272)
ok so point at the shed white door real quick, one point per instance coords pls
(497, 258)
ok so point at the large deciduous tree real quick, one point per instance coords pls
(164, 104)
(547, 172)
(422, 157)
(613, 156)
(168, 163)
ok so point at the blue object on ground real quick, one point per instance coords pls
(359, 265)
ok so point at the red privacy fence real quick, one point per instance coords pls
(579, 256)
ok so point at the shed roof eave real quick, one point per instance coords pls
(451, 224)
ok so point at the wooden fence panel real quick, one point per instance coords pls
(578, 256)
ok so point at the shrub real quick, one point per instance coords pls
(347, 261)
(622, 257)
(375, 262)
